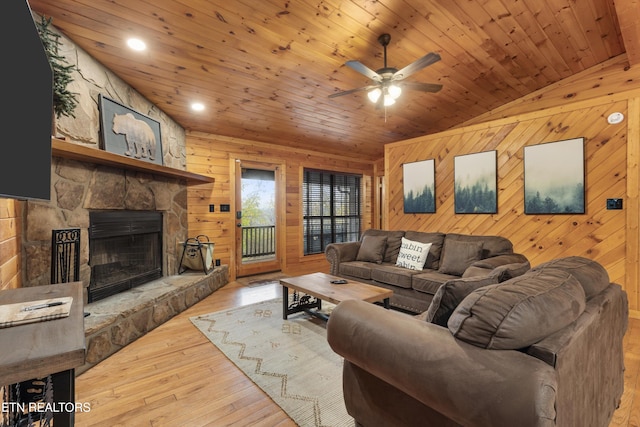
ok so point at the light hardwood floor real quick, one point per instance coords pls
(173, 376)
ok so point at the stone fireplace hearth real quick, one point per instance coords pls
(120, 319)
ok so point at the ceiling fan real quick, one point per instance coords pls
(388, 81)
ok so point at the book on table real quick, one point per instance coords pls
(34, 311)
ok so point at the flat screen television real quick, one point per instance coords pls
(27, 94)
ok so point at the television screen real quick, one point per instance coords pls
(25, 160)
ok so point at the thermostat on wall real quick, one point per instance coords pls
(615, 118)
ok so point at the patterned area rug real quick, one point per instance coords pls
(267, 281)
(289, 359)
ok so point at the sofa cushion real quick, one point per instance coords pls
(503, 272)
(451, 294)
(519, 312)
(372, 249)
(392, 275)
(393, 242)
(429, 281)
(458, 255)
(592, 276)
(412, 254)
(436, 239)
(358, 269)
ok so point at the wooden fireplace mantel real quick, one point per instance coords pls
(67, 150)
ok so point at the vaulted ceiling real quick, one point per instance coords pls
(265, 69)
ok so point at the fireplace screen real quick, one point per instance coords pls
(125, 250)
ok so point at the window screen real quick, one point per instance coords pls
(331, 209)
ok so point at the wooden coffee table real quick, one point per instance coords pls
(317, 287)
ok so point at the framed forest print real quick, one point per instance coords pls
(475, 183)
(554, 178)
(419, 186)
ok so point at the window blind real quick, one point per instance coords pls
(331, 209)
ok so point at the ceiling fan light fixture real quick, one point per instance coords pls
(395, 91)
(374, 94)
(390, 95)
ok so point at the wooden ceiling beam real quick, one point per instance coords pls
(627, 11)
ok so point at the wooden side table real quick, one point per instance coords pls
(40, 349)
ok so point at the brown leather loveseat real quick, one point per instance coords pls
(540, 349)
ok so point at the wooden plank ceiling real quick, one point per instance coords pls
(264, 69)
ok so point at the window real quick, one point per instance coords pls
(330, 209)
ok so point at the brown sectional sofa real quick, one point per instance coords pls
(541, 349)
(451, 257)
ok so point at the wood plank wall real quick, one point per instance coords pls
(10, 244)
(216, 156)
(611, 168)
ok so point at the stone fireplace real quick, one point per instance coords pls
(84, 190)
(128, 216)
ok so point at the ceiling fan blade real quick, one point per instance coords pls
(423, 87)
(347, 92)
(415, 66)
(363, 69)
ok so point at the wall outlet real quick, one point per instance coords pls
(225, 208)
(212, 208)
(614, 204)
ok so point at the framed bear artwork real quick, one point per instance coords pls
(126, 132)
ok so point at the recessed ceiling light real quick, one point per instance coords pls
(197, 106)
(136, 44)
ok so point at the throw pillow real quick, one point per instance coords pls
(436, 239)
(412, 254)
(458, 255)
(503, 272)
(519, 312)
(450, 294)
(372, 249)
(393, 242)
(592, 276)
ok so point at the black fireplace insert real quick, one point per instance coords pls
(125, 250)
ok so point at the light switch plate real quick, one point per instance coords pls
(614, 204)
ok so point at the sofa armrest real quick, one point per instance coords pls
(599, 330)
(497, 261)
(503, 267)
(340, 252)
(470, 385)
